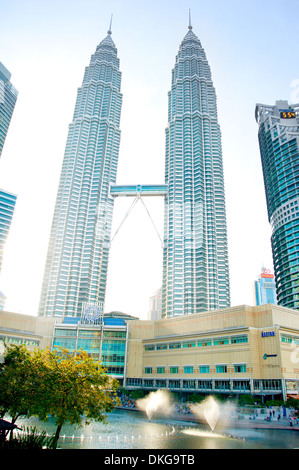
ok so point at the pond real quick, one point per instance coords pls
(128, 429)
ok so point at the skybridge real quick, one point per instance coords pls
(138, 191)
(141, 190)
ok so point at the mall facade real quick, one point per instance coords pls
(232, 351)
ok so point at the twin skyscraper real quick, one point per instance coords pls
(195, 253)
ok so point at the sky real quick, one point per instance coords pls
(252, 50)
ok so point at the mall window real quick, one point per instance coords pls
(160, 370)
(174, 370)
(220, 341)
(188, 369)
(286, 339)
(189, 345)
(239, 339)
(204, 369)
(174, 345)
(239, 368)
(149, 347)
(65, 332)
(148, 370)
(221, 369)
(203, 343)
(161, 347)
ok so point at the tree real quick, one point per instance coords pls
(67, 387)
(73, 389)
(15, 392)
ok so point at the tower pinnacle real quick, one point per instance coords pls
(109, 31)
(190, 26)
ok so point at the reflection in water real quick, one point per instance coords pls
(128, 429)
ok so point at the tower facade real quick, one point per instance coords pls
(264, 288)
(195, 257)
(77, 259)
(278, 136)
(8, 98)
(7, 207)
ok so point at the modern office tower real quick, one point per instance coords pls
(264, 288)
(195, 256)
(155, 306)
(7, 207)
(279, 147)
(8, 98)
(77, 259)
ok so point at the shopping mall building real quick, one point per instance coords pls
(232, 351)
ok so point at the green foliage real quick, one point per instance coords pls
(196, 398)
(247, 400)
(136, 394)
(32, 439)
(43, 383)
(292, 403)
(15, 389)
(274, 403)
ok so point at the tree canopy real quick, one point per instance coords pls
(58, 384)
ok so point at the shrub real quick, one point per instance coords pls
(31, 439)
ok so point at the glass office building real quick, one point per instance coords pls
(7, 207)
(279, 147)
(8, 98)
(195, 257)
(77, 259)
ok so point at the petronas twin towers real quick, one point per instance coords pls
(195, 255)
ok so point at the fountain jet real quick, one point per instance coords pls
(155, 402)
(209, 410)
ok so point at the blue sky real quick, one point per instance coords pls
(253, 53)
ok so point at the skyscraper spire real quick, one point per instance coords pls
(110, 31)
(190, 26)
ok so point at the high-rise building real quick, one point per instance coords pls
(7, 207)
(77, 259)
(8, 98)
(195, 257)
(278, 136)
(264, 288)
(155, 306)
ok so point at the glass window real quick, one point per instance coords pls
(114, 334)
(173, 370)
(189, 345)
(221, 369)
(65, 332)
(239, 368)
(204, 342)
(160, 370)
(220, 341)
(239, 339)
(188, 369)
(160, 347)
(174, 345)
(286, 339)
(149, 347)
(204, 369)
(66, 343)
(148, 370)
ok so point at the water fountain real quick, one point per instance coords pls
(209, 410)
(156, 402)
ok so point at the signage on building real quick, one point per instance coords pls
(265, 356)
(267, 273)
(92, 312)
(268, 333)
